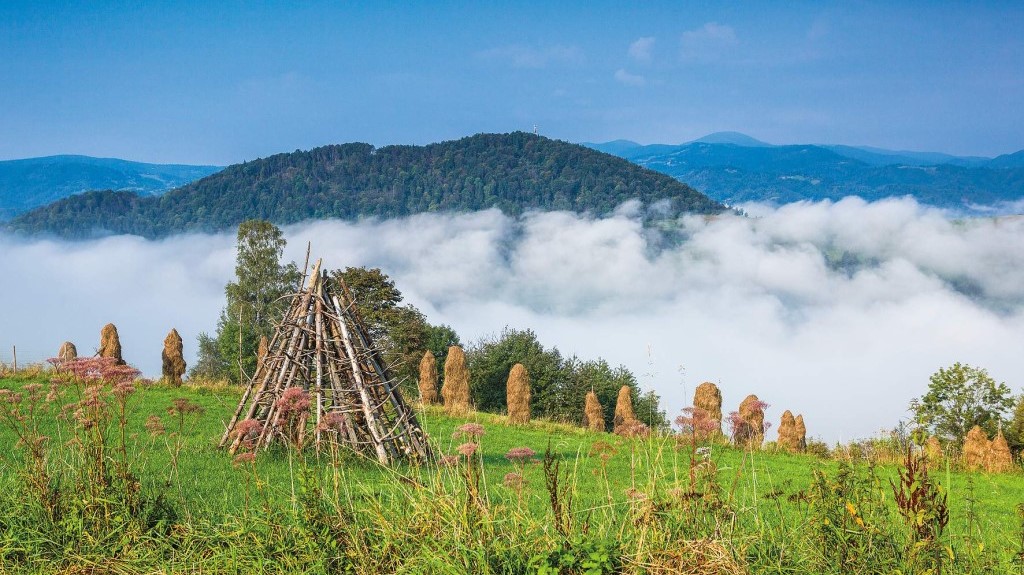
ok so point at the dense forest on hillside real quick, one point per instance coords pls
(514, 172)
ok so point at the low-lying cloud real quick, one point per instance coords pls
(839, 311)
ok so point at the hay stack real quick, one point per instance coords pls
(455, 389)
(173, 359)
(428, 378)
(67, 352)
(709, 398)
(593, 413)
(788, 438)
(624, 415)
(517, 394)
(933, 450)
(801, 434)
(1000, 459)
(751, 431)
(261, 351)
(110, 343)
(976, 448)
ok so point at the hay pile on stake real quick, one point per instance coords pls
(976, 447)
(428, 378)
(788, 438)
(517, 394)
(261, 351)
(801, 434)
(173, 360)
(709, 398)
(933, 450)
(67, 352)
(110, 343)
(593, 413)
(1000, 459)
(321, 349)
(751, 432)
(455, 389)
(624, 415)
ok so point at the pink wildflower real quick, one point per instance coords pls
(293, 403)
(520, 454)
(514, 480)
(468, 449)
(473, 430)
(154, 425)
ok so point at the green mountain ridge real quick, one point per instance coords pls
(514, 172)
(29, 183)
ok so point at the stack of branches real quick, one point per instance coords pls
(322, 355)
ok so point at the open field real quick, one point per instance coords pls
(615, 504)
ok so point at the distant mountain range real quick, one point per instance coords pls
(733, 168)
(33, 182)
(514, 172)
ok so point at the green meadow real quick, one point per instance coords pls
(145, 489)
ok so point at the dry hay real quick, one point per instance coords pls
(517, 394)
(788, 438)
(801, 434)
(67, 352)
(428, 378)
(593, 413)
(1000, 459)
(693, 557)
(976, 448)
(751, 432)
(709, 398)
(933, 450)
(624, 415)
(261, 351)
(173, 360)
(110, 343)
(455, 389)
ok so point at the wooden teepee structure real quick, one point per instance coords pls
(322, 347)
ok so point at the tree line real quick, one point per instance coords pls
(259, 296)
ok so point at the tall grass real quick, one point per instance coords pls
(137, 485)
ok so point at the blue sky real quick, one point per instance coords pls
(226, 82)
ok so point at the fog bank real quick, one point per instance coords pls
(839, 311)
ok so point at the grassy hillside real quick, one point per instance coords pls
(513, 172)
(615, 505)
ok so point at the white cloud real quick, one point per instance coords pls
(839, 311)
(708, 42)
(624, 77)
(640, 50)
(536, 57)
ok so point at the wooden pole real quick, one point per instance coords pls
(14, 352)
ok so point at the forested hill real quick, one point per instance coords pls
(514, 172)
